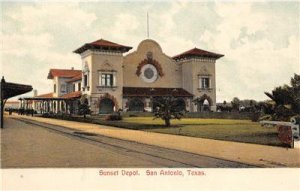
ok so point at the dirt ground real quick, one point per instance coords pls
(24, 146)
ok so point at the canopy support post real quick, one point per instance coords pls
(2, 102)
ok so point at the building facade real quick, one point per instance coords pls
(113, 81)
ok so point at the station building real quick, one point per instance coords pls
(113, 79)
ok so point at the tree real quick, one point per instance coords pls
(285, 100)
(167, 109)
(295, 89)
(249, 105)
(235, 103)
(84, 108)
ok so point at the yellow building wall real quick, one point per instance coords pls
(171, 69)
(192, 70)
(103, 61)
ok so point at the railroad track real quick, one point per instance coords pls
(162, 156)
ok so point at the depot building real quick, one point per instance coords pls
(113, 79)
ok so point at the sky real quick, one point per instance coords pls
(260, 39)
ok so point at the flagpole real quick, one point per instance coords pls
(147, 25)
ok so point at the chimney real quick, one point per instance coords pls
(72, 68)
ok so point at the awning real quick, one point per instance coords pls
(9, 90)
(146, 92)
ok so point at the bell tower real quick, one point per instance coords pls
(199, 77)
(102, 79)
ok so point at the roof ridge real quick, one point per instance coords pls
(103, 44)
(68, 73)
(46, 94)
(65, 69)
(198, 52)
(107, 41)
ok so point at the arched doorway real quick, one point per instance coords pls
(204, 103)
(180, 105)
(136, 104)
(106, 106)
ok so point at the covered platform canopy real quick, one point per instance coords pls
(45, 103)
(8, 90)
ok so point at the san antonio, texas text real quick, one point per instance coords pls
(157, 172)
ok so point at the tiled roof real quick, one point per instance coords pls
(71, 95)
(63, 73)
(48, 95)
(133, 91)
(195, 52)
(12, 102)
(75, 78)
(102, 44)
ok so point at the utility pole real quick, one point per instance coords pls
(1, 101)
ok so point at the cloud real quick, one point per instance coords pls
(52, 17)
(164, 29)
(37, 37)
(124, 26)
(260, 40)
(32, 44)
(254, 62)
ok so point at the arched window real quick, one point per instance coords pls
(136, 104)
(106, 106)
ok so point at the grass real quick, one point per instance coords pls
(219, 129)
(185, 121)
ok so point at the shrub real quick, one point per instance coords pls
(167, 109)
(84, 108)
(113, 117)
(47, 115)
(255, 116)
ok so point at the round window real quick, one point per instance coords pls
(149, 73)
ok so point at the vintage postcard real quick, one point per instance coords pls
(150, 95)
